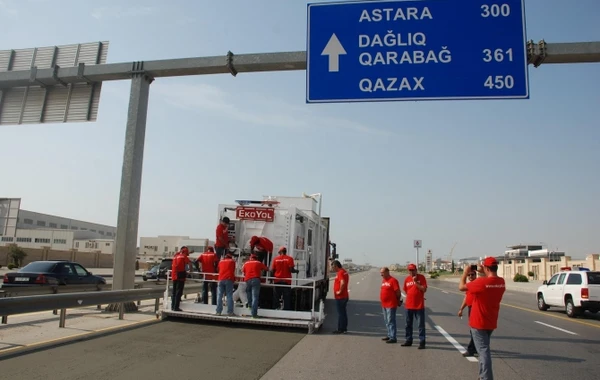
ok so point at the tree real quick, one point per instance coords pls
(17, 255)
(453, 268)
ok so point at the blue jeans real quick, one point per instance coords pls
(471, 347)
(342, 314)
(389, 317)
(253, 291)
(481, 338)
(420, 316)
(225, 287)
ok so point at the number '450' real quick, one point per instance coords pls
(499, 82)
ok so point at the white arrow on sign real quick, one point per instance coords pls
(334, 49)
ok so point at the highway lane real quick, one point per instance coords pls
(528, 342)
(361, 354)
(181, 349)
(522, 347)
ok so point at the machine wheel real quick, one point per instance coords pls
(541, 303)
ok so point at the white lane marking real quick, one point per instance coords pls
(458, 346)
(554, 327)
(443, 291)
(358, 283)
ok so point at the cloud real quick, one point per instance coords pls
(256, 108)
(120, 12)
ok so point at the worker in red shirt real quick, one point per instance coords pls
(262, 247)
(179, 274)
(468, 302)
(222, 237)
(391, 298)
(487, 293)
(226, 268)
(340, 292)
(415, 286)
(208, 264)
(252, 270)
(282, 267)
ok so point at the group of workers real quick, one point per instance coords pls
(219, 273)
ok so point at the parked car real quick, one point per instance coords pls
(575, 291)
(151, 274)
(52, 272)
(163, 267)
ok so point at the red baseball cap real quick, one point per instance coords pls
(490, 261)
(412, 267)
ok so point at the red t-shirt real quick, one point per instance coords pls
(227, 269)
(341, 275)
(263, 244)
(469, 299)
(387, 295)
(282, 266)
(487, 294)
(224, 235)
(415, 299)
(252, 269)
(178, 265)
(208, 260)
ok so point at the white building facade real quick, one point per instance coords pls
(162, 246)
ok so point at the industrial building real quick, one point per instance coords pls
(29, 229)
(156, 248)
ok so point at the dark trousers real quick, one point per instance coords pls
(178, 286)
(471, 347)
(213, 290)
(220, 251)
(263, 257)
(420, 316)
(287, 295)
(342, 314)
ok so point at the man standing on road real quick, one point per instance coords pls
(222, 237)
(340, 291)
(415, 286)
(178, 275)
(391, 298)
(487, 294)
(467, 302)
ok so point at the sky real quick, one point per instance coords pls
(477, 175)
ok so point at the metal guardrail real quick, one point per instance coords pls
(64, 301)
(54, 289)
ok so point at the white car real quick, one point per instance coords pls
(575, 291)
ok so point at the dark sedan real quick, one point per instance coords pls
(59, 272)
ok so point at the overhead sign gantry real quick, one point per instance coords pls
(17, 83)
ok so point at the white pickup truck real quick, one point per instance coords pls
(575, 291)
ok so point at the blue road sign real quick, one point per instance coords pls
(416, 50)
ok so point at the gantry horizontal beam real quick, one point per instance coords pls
(540, 53)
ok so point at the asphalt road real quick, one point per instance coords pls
(176, 349)
(527, 345)
(522, 348)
